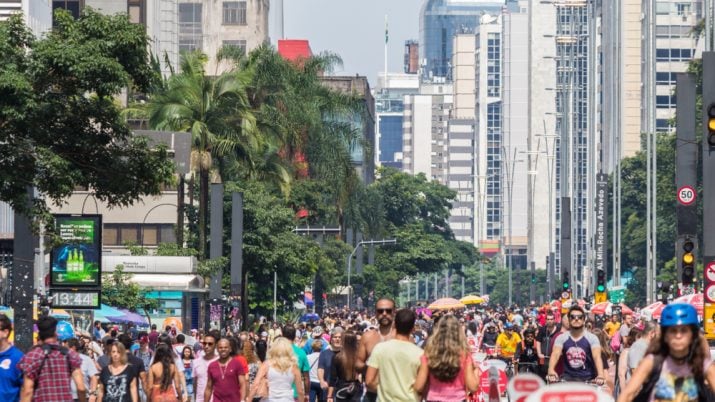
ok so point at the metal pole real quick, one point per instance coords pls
(462, 281)
(350, 267)
(275, 295)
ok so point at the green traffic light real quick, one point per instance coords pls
(600, 288)
(566, 285)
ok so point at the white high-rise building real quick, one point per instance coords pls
(461, 145)
(542, 128)
(425, 127)
(389, 115)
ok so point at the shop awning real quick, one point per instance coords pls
(192, 283)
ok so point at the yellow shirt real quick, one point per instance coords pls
(611, 328)
(508, 345)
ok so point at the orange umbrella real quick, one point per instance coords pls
(446, 303)
(606, 308)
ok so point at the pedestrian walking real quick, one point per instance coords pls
(279, 374)
(226, 377)
(118, 381)
(10, 374)
(446, 370)
(164, 383)
(48, 369)
(393, 364)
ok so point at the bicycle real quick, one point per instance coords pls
(528, 367)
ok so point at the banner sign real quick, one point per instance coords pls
(77, 260)
(601, 218)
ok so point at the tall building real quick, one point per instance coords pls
(573, 125)
(425, 127)
(36, 13)
(542, 132)
(364, 123)
(440, 20)
(515, 127)
(389, 107)
(461, 145)
(490, 166)
(208, 25)
(674, 49)
(412, 57)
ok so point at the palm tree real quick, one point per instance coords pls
(216, 111)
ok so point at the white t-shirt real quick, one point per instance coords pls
(199, 373)
(313, 361)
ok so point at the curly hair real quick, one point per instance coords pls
(446, 349)
(696, 355)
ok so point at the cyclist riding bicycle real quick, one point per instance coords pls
(509, 344)
(530, 352)
(578, 348)
(489, 339)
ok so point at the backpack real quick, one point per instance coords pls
(46, 350)
(616, 342)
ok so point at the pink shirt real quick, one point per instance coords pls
(199, 369)
(452, 391)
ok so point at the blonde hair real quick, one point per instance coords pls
(122, 352)
(446, 349)
(281, 355)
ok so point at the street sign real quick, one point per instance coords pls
(710, 292)
(710, 272)
(522, 385)
(686, 195)
(565, 295)
(617, 294)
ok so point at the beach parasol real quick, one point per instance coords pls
(446, 303)
(472, 299)
(606, 308)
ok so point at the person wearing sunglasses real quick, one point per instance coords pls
(200, 365)
(581, 351)
(385, 310)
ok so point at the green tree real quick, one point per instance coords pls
(60, 126)
(215, 110)
(119, 291)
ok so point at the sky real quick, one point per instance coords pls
(354, 29)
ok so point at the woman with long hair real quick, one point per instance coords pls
(344, 384)
(164, 382)
(677, 365)
(187, 358)
(446, 364)
(623, 375)
(278, 374)
(118, 380)
(608, 359)
(254, 364)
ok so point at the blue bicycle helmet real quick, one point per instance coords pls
(64, 331)
(508, 325)
(678, 314)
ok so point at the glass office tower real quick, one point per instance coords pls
(440, 20)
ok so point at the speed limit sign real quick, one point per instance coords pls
(686, 195)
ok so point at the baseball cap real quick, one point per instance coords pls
(317, 331)
(264, 334)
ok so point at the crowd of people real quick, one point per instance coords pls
(390, 355)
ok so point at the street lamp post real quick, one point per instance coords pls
(510, 192)
(550, 150)
(350, 259)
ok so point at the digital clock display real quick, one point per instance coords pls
(79, 299)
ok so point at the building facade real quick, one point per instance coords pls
(461, 145)
(208, 25)
(440, 20)
(389, 107)
(36, 13)
(425, 128)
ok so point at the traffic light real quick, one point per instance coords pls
(533, 278)
(711, 125)
(687, 260)
(600, 295)
(566, 283)
(601, 281)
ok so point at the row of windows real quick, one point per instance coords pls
(673, 54)
(148, 234)
(665, 101)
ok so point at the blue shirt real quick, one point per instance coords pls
(308, 347)
(10, 375)
(325, 362)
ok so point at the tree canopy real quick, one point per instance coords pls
(60, 124)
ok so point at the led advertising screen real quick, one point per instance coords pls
(77, 260)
